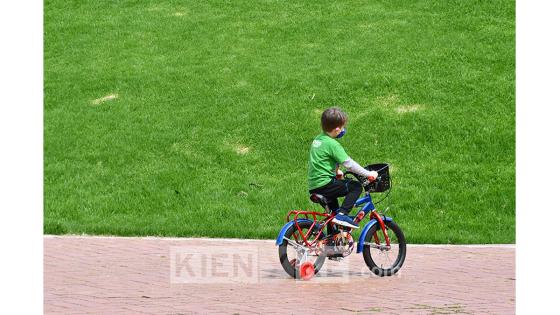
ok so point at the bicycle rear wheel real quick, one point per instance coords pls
(288, 253)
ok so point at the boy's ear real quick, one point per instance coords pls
(337, 129)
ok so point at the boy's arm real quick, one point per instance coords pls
(352, 166)
(340, 156)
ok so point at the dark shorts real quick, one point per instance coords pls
(350, 189)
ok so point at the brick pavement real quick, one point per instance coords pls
(105, 275)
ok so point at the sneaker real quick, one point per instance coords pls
(344, 220)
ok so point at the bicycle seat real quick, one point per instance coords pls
(316, 198)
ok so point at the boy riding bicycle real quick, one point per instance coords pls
(324, 176)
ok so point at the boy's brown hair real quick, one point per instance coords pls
(333, 117)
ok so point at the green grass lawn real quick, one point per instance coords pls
(212, 105)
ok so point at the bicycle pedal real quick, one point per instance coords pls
(336, 258)
(335, 255)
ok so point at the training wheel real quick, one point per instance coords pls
(307, 270)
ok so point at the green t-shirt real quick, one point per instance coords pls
(325, 153)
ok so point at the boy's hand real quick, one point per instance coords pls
(372, 176)
(339, 174)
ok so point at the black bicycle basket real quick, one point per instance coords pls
(383, 182)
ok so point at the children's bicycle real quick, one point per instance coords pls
(310, 237)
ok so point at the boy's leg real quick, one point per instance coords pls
(339, 188)
(333, 204)
(354, 190)
(331, 191)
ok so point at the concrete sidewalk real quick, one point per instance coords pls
(114, 275)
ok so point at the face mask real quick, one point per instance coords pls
(342, 133)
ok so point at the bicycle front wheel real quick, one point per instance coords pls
(380, 259)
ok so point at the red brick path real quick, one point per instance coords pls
(133, 276)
